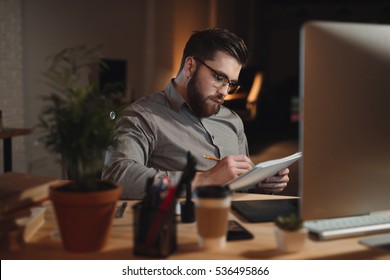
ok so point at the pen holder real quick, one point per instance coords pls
(154, 232)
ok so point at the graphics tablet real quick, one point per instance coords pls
(257, 211)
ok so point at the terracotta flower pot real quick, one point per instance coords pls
(84, 218)
(290, 241)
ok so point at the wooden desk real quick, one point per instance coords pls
(6, 134)
(45, 245)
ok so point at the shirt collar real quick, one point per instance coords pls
(174, 97)
(176, 100)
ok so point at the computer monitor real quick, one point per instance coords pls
(345, 119)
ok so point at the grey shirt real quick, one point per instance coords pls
(157, 131)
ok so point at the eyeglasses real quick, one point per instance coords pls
(221, 80)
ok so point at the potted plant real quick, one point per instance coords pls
(77, 122)
(290, 233)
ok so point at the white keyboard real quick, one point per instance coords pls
(348, 226)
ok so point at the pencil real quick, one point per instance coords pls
(212, 158)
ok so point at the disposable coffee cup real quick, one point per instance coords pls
(212, 205)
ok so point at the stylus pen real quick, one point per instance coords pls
(212, 158)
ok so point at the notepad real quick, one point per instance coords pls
(262, 171)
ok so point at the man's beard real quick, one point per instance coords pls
(199, 106)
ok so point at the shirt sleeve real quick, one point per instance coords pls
(126, 161)
(242, 140)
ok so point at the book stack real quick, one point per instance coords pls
(21, 207)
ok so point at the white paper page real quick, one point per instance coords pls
(262, 171)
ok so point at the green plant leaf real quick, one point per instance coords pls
(289, 222)
(75, 120)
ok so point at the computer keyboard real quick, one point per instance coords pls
(348, 226)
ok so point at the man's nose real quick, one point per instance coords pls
(223, 90)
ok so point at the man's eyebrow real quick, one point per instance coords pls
(225, 76)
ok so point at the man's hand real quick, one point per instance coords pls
(225, 170)
(233, 166)
(275, 184)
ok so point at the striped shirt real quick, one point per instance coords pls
(157, 131)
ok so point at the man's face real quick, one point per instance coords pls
(204, 95)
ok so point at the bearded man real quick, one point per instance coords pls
(157, 131)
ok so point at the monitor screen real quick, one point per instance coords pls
(345, 119)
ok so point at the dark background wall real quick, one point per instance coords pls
(149, 36)
(272, 31)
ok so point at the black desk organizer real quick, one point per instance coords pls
(154, 232)
(155, 218)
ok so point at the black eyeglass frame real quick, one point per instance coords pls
(233, 86)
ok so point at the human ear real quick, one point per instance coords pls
(189, 66)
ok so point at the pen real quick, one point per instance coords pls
(212, 158)
(121, 210)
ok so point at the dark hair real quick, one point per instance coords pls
(204, 44)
